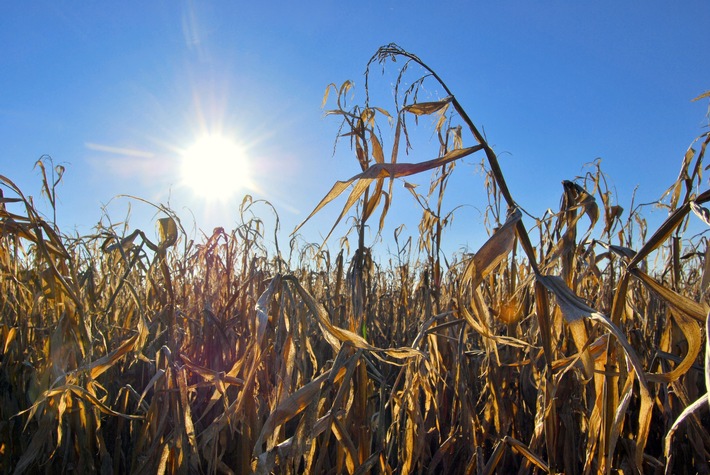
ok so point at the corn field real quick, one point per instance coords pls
(567, 343)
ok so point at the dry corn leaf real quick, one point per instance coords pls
(344, 88)
(619, 416)
(336, 335)
(703, 402)
(10, 226)
(574, 308)
(187, 424)
(574, 311)
(696, 310)
(4, 200)
(426, 108)
(366, 466)
(373, 200)
(661, 235)
(666, 229)
(159, 373)
(701, 212)
(596, 350)
(262, 306)
(676, 188)
(293, 405)
(33, 226)
(167, 232)
(613, 213)
(124, 243)
(493, 251)
(523, 450)
(693, 336)
(377, 152)
(210, 375)
(496, 456)
(101, 365)
(163, 459)
(622, 251)
(380, 171)
(80, 392)
(265, 463)
(578, 197)
(347, 445)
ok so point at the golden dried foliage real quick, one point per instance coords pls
(561, 348)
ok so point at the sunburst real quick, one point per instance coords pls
(215, 167)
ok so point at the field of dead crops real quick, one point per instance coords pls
(566, 343)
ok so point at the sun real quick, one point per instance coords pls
(215, 168)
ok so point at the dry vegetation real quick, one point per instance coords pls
(570, 346)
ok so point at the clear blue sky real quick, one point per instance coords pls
(114, 91)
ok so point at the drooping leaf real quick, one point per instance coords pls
(573, 309)
(693, 337)
(613, 213)
(327, 93)
(622, 251)
(701, 212)
(577, 197)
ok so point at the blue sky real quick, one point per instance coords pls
(116, 91)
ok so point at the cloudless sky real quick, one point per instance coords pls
(115, 92)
